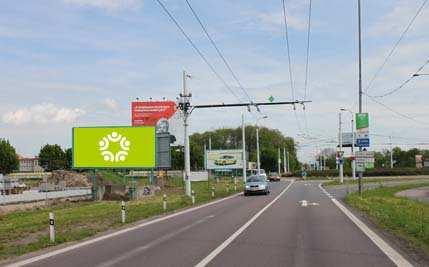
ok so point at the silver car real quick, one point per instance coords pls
(257, 184)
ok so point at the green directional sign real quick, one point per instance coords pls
(362, 120)
(114, 147)
(271, 98)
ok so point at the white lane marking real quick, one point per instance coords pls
(97, 239)
(305, 203)
(229, 240)
(390, 252)
(151, 244)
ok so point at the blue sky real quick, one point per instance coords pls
(67, 63)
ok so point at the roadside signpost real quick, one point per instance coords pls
(362, 130)
(364, 160)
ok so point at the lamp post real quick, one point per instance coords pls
(353, 142)
(420, 74)
(258, 161)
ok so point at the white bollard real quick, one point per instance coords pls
(235, 184)
(213, 191)
(164, 202)
(193, 197)
(123, 212)
(227, 187)
(52, 227)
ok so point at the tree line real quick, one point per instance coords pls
(270, 140)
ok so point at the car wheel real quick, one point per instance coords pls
(246, 194)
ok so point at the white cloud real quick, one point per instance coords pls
(110, 104)
(111, 5)
(394, 22)
(43, 114)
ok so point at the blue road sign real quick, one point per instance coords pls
(362, 142)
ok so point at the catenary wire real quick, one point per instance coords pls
(170, 15)
(228, 66)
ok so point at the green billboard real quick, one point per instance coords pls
(362, 120)
(114, 147)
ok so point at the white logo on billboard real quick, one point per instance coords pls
(108, 155)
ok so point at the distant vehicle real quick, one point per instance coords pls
(256, 184)
(225, 160)
(273, 177)
(255, 172)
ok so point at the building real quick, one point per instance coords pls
(29, 164)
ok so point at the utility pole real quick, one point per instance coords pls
(210, 143)
(287, 154)
(184, 105)
(360, 80)
(279, 161)
(284, 160)
(243, 126)
(391, 152)
(258, 163)
(341, 149)
(353, 148)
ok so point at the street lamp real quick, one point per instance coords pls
(258, 161)
(353, 142)
(420, 74)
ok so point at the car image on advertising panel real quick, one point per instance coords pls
(226, 160)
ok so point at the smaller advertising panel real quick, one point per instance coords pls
(148, 113)
(114, 147)
(224, 159)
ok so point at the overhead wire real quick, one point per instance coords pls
(307, 63)
(405, 116)
(228, 66)
(290, 63)
(403, 83)
(170, 15)
(410, 23)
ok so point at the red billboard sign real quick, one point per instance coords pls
(148, 113)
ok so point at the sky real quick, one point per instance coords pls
(68, 63)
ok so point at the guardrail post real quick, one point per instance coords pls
(52, 227)
(123, 211)
(193, 197)
(164, 202)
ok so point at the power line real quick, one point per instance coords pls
(290, 63)
(402, 84)
(197, 49)
(288, 50)
(396, 44)
(394, 111)
(308, 50)
(306, 63)
(228, 66)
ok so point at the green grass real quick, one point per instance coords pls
(406, 218)
(336, 181)
(25, 231)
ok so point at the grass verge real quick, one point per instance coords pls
(371, 180)
(26, 231)
(406, 218)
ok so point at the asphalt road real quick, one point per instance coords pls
(275, 230)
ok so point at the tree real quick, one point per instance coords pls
(8, 158)
(69, 158)
(52, 157)
(230, 138)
